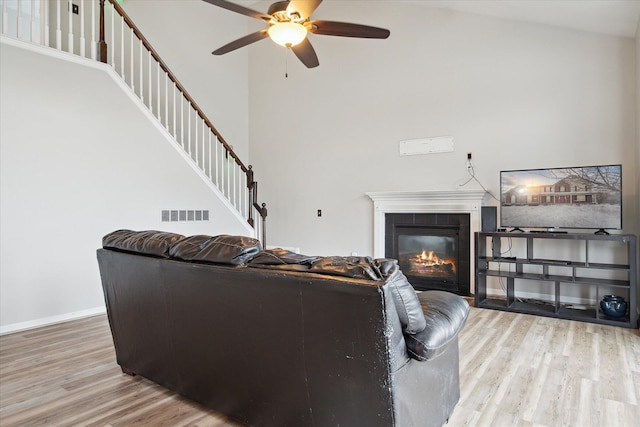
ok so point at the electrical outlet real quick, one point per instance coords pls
(469, 156)
(319, 212)
(75, 9)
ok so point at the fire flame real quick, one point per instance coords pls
(430, 259)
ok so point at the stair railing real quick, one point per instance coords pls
(101, 30)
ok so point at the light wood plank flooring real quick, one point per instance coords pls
(516, 370)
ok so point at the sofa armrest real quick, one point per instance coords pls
(445, 314)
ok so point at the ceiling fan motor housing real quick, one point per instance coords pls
(279, 6)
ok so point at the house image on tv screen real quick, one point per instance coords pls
(583, 197)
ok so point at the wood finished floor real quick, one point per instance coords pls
(515, 369)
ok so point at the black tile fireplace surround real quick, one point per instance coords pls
(433, 249)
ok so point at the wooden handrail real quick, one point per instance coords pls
(166, 69)
(252, 185)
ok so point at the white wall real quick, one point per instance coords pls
(517, 95)
(78, 160)
(637, 57)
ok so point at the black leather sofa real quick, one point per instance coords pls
(273, 338)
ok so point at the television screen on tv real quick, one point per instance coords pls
(588, 197)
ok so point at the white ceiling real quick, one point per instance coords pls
(613, 17)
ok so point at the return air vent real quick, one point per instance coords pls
(184, 215)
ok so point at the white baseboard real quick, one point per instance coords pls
(46, 321)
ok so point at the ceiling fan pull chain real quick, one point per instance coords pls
(286, 63)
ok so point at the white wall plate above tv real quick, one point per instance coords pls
(436, 144)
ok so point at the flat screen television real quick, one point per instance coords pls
(584, 197)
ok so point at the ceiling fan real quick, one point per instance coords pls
(289, 23)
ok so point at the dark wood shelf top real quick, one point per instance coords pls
(560, 236)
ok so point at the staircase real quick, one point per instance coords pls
(100, 30)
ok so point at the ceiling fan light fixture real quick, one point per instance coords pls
(287, 34)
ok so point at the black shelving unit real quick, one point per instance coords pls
(493, 259)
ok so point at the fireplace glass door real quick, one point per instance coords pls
(431, 255)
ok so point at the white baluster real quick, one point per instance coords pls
(19, 19)
(94, 43)
(33, 24)
(44, 18)
(131, 60)
(205, 129)
(82, 37)
(113, 37)
(150, 93)
(182, 121)
(121, 47)
(239, 190)
(217, 161)
(189, 128)
(174, 110)
(195, 126)
(230, 179)
(234, 186)
(223, 160)
(166, 100)
(141, 73)
(70, 33)
(5, 17)
(159, 114)
(58, 27)
(210, 157)
(236, 183)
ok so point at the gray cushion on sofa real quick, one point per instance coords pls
(445, 315)
(151, 242)
(223, 249)
(404, 296)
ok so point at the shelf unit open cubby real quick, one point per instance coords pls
(574, 270)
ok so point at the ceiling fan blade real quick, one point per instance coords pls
(241, 42)
(239, 9)
(345, 29)
(304, 7)
(306, 54)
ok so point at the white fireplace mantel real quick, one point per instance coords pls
(429, 201)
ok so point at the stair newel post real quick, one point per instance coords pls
(251, 195)
(102, 44)
(262, 210)
(263, 213)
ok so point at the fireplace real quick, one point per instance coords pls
(433, 249)
(443, 203)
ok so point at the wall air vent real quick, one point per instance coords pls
(184, 215)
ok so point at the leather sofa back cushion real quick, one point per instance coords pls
(404, 296)
(223, 249)
(348, 266)
(282, 259)
(446, 314)
(154, 243)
